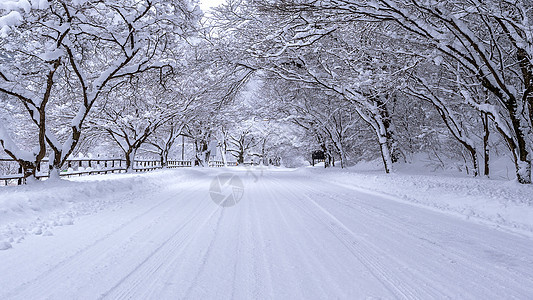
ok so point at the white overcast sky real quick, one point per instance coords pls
(206, 4)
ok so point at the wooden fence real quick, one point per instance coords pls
(79, 166)
(219, 164)
(216, 164)
(84, 166)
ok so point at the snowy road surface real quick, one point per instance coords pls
(290, 237)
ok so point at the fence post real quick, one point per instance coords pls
(21, 171)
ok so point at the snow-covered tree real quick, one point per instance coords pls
(87, 47)
(489, 42)
(315, 51)
(134, 111)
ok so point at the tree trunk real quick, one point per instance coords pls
(388, 128)
(223, 154)
(240, 158)
(207, 155)
(486, 151)
(473, 155)
(523, 161)
(385, 155)
(55, 165)
(164, 158)
(29, 171)
(53, 173)
(130, 159)
(200, 157)
(523, 171)
(384, 142)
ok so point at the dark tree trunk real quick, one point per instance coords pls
(164, 158)
(486, 151)
(523, 162)
(240, 157)
(392, 145)
(130, 159)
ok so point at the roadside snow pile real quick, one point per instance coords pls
(505, 203)
(36, 209)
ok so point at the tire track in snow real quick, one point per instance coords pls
(400, 235)
(47, 281)
(170, 248)
(262, 246)
(418, 229)
(198, 254)
(312, 262)
(355, 245)
(240, 241)
(464, 262)
(205, 255)
(278, 241)
(243, 283)
(469, 266)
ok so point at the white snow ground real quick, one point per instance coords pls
(296, 234)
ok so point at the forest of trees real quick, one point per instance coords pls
(269, 80)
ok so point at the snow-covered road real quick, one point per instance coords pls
(291, 237)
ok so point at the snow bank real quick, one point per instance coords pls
(506, 204)
(37, 209)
